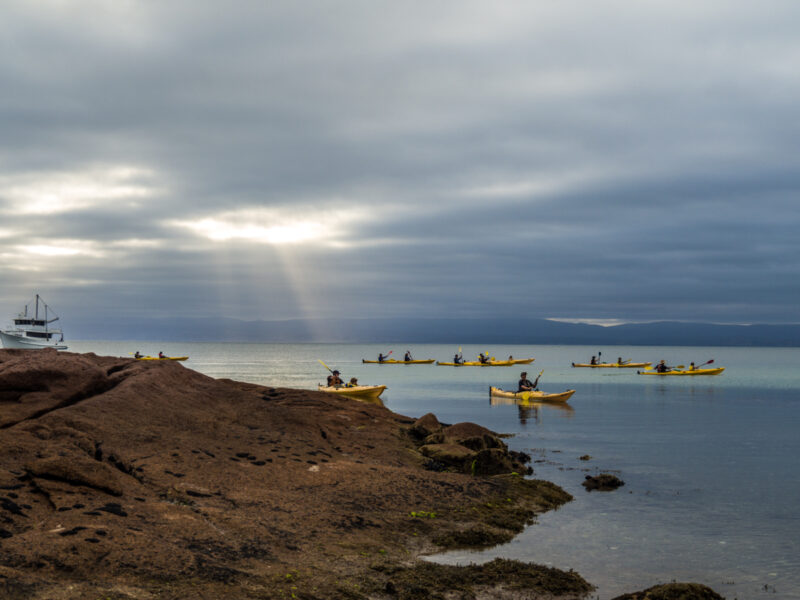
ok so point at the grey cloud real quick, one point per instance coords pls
(668, 136)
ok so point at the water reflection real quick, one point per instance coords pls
(533, 411)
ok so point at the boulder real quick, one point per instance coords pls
(605, 482)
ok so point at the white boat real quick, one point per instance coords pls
(34, 332)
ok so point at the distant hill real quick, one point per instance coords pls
(456, 331)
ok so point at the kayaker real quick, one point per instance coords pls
(691, 367)
(458, 358)
(619, 360)
(161, 355)
(483, 358)
(137, 354)
(661, 367)
(334, 379)
(525, 384)
(407, 357)
(353, 382)
(381, 357)
(593, 361)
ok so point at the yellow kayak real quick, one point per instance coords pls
(629, 365)
(162, 358)
(391, 361)
(532, 396)
(491, 363)
(521, 361)
(357, 391)
(715, 371)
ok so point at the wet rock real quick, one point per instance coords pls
(674, 591)
(454, 455)
(424, 426)
(605, 482)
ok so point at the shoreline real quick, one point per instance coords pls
(151, 480)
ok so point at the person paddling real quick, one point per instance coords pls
(458, 358)
(525, 384)
(483, 358)
(593, 361)
(334, 379)
(137, 355)
(661, 367)
(381, 357)
(407, 357)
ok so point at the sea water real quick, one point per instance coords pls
(710, 463)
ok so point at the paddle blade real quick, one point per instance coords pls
(326, 366)
(709, 362)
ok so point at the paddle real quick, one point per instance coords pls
(708, 362)
(326, 366)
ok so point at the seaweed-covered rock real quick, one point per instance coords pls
(605, 482)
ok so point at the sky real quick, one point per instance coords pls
(608, 162)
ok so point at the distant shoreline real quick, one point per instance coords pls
(434, 331)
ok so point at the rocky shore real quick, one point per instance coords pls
(123, 479)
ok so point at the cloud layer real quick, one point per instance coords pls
(621, 161)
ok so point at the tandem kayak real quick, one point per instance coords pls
(469, 363)
(532, 396)
(357, 391)
(639, 365)
(162, 358)
(715, 371)
(391, 361)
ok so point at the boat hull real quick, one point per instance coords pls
(640, 365)
(532, 396)
(15, 341)
(162, 358)
(391, 361)
(491, 363)
(715, 371)
(360, 391)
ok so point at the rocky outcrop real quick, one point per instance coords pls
(674, 591)
(133, 479)
(605, 482)
(466, 448)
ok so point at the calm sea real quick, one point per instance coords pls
(710, 464)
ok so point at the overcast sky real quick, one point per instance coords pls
(618, 161)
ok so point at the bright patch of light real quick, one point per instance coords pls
(50, 250)
(273, 226)
(60, 248)
(59, 192)
(137, 243)
(600, 322)
(218, 230)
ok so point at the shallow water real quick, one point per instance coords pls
(710, 464)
